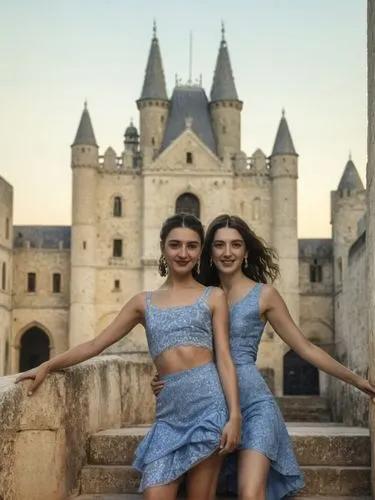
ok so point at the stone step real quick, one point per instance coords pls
(324, 445)
(305, 408)
(333, 481)
(139, 497)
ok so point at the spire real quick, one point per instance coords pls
(223, 86)
(350, 178)
(85, 133)
(283, 143)
(154, 82)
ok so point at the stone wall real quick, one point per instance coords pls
(43, 438)
(348, 404)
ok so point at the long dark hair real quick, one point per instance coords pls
(176, 221)
(261, 267)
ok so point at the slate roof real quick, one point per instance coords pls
(154, 82)
(85, 132)
(46, 237)
(189, 102)
(283, 144)
(350, 178)
(223, 86)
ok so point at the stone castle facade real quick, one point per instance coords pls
(61, 285)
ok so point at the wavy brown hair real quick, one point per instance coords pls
(262, 266)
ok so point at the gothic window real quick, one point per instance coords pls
(188, 203)
(56, 283)
(117, 284)
(339, 270)
(189, 157)
(7, 228)
(153, 141)
(84, 245)
(256, 209)
(4, 276)
(316, 272)
(117, 248)
(31, 282)
(117, 207)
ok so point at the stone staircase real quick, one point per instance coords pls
(335, 461)
(305, 408)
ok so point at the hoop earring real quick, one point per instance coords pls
(246, 262)
(199, 267)
(163, 268)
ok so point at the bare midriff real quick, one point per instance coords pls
(182, 357)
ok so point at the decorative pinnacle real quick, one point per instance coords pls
(85, 104)
(350, 156)
(283, 112)
(222, 31)
(154, 30)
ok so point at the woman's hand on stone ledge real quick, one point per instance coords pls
(366, 387)
(37, 374)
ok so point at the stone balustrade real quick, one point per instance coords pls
(43, 438)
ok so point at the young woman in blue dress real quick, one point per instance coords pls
(234, 258)
(197, 423)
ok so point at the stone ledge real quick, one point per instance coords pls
(43, 438)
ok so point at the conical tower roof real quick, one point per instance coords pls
(223, 86)
(154, 82)
(283, 144)
(85, 132)
(350, 179)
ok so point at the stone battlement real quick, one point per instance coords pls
(43, 438)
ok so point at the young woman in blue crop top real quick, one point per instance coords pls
(264, 467)
(183, 319)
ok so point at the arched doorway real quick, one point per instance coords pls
(34, 348)
(300, 378)
(188, 203)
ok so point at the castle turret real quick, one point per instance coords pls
(284, 174)
(83, 276)
(225, 106)
(131, 138)
(347, 208)
(153, 103)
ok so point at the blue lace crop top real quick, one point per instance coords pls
(181, 325)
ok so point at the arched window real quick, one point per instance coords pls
(4, 276)
(188, 203)
(34, 348)
(117, 207)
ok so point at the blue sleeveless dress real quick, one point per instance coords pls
(263, 427)
(191, 409)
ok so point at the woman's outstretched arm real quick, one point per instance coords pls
(276, 312)
(129, 316)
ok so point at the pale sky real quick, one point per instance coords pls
(307, 56)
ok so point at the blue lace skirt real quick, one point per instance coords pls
(263, 430)
(191, 413)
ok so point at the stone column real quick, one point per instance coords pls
(370, 237)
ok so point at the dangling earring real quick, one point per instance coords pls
(163, 268)
(199, 267)
(211, 263)
(246, 262)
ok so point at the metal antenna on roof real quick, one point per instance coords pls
(190, 57)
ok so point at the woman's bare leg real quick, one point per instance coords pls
(163, 492)
(202, 479)
(253, 470)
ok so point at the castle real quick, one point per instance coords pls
(60, 286)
